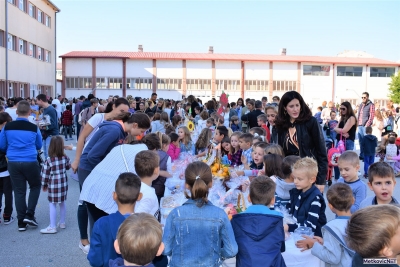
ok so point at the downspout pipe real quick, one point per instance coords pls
(6, 46)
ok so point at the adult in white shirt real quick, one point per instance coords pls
(12, 111)
(58, 105)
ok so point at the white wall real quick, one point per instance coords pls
(316, 89)
(77, 92)
(104, 93)
(58, 88)
(198, 69)
(350, 87)
(139, 68)
(256, 71)
(78, 67)
(284, 71)
(169, 69)
(227, 70)
(109, 67)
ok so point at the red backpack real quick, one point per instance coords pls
(333, 156)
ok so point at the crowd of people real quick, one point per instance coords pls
(125, 150)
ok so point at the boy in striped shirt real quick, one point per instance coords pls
(307, 205)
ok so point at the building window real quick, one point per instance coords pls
(39, 53)
(352, 101)
(47, 56)
(198, 84)
(381, 72)
(22, 5)
(115, 83)
(10, 90)
(78, 82)
(2, 42)
(12, 1)
(229, 85)
(22, 46)
(31, 50)
(139, 83)
(10, 42)
(284, 86)
(349, 71)
(169, 84)
(316, 70)
(256, 85)
(47, 21)
(39, 15)
(32, 10)
(21, 90)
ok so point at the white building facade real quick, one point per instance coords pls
(27, 48)
(172, 75)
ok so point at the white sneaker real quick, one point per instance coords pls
(61, 225)
(49, 230)
(85, 249)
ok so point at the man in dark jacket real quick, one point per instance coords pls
(255, 111)
(259, 230)
(365, 117)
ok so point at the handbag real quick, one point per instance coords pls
(40, 157)
(342, 143)
(123, 157)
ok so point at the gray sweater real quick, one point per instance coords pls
(369, 201)
(332, 252)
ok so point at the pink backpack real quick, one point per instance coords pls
(335, 152)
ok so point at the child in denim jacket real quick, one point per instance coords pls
(198, 233)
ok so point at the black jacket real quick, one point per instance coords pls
(311, 144)
(251, 118)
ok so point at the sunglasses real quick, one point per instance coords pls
(363, 97)
(342, 108)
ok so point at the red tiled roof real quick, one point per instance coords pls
(228, 57)
(59, 66)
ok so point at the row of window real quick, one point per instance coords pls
(13, 88)
(347, 71)
(33, 11)
(23, 47)
(176, 84)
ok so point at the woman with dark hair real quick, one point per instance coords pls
(299, 133)
(193, 103)
(346, 129)
(210, 107)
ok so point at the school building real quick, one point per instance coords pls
(27, 48)
(206, 75)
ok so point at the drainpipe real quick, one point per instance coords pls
(55, 53)
(6, 8)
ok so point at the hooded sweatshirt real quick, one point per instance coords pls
(260, 237)
(369, 143)
(119, 262)
(282, 192)
(109, 135)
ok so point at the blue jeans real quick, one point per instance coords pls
(361, 133)
(349, 146)
(368, 160)
(46, 144)
(67, 129)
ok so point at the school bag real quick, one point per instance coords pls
(345, 247)
(335, 152)
(80, 115)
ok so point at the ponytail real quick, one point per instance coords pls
(199, 178)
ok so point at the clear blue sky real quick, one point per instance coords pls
(320, 28)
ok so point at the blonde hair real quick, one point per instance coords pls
(139, 238)
(350, 157)
(164, 139)
(187, 137)
(371, 229)
(204, 138)
(274, 149)
(271, 107)
(307, 164)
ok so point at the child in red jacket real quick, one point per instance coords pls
(66, 121)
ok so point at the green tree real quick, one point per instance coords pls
(394, 88)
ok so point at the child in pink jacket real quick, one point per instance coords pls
(174, 150)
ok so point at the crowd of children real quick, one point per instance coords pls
(200, 234)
